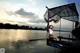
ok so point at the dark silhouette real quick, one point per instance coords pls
(76, 24)
(76, 32)
(76, 47)
(9, 26)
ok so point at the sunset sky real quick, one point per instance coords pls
(30, 12)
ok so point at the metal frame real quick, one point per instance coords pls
(60, 24)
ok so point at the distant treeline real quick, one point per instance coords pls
(9, 26)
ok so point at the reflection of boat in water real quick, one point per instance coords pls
(67, 12)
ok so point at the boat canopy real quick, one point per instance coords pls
(68, 12)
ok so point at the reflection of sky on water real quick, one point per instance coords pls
(33, 47)
(16, 41)
(13, 35)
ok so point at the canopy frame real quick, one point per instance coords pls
(48, 20)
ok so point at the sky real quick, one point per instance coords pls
(30, 12)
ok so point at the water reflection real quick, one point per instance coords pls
(13, 35)
(16, 41)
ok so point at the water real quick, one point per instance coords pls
(17, 41)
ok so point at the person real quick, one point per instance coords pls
(52, 37)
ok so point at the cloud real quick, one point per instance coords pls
(29, 15)
(21, 13)
(25, 14)
(21, 16)
(38, 21)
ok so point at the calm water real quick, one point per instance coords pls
(17, 41)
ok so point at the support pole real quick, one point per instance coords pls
(48, 23)
(60, 29)
(72, 29)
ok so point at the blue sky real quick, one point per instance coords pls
(30, 12)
